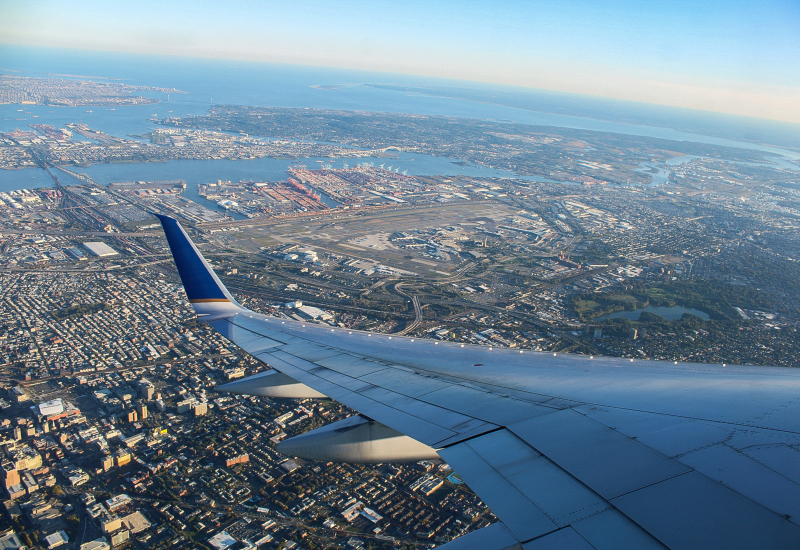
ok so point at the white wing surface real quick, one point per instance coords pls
(568, 451)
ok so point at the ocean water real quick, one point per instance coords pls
(210, 82)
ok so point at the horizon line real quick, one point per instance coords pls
(481, 83)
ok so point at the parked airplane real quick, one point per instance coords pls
(568, 451)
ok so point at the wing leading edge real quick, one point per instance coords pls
(568, 451)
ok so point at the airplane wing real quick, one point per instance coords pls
(568, 451)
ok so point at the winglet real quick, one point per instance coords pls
(206, 293)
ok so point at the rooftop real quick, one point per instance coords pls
(100, 250)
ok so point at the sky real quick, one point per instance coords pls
(733, 56)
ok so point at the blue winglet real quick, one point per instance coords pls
(201, 283)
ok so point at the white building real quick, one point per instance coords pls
(97, 544)
(57, 539)
(315, 313)
(101, 250)
(53, 407)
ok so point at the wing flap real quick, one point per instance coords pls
(540, 503)
(691, 511)
(611, 530)
(521, 516)
(494, 537)
(779, 458)
(746, 476)
(603, 459)
(669, 435)
(561, 539)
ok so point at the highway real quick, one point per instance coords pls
(417, 310)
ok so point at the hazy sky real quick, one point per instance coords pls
(731, 56)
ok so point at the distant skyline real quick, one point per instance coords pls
(731, 57)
